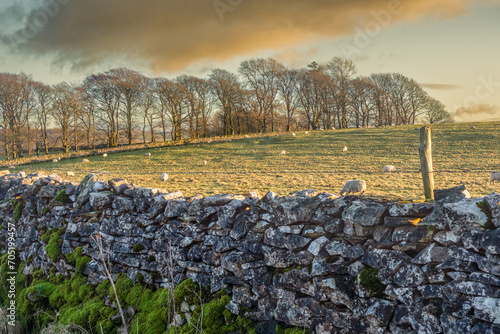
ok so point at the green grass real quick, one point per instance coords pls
(312, 160)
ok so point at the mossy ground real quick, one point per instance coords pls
(62, 197)
(312, 160)
(53, 241)
(369, 280)
(53, 299)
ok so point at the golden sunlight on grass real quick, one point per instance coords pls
(313, 160)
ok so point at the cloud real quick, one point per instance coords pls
(441, 86)
(169, 35)
(477, 112)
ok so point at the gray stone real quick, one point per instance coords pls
(101, 200)
(365, 214)
(464, 216)
(315, 246)
(379, 312)
(487, 309)
(411, 209)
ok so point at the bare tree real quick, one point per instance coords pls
(44, 96)
(172, 97)
(262, 80)
(129, 86)
(341, 70)
(148, 104)
(288, 84)
(66, 106)
(103, 90)
(226, 87)
(435, 112)
(16, 105)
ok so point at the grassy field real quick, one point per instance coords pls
(314, 160)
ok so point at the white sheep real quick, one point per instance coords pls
(164, 177)
(389, 168)
(147, 154)
(344, 149)
(70, 174)
(55, 160)
(205, 163)
(306, 133)
(85, 160)
(495, 176)
(293, 134)
(283, 152)
(472, 127)
(353, 186)
(104, 155)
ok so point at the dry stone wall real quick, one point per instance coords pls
(315, 260)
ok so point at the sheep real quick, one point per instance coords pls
(306, 133)
(283, 152)
(147, 154)
(104, 155)
(344, 149)
(209, 141)
(228, 140)
(293, 134)
(85, 160)
(472, 127)
(12, 167)
(389, 168)
(353, 187)
(205, 163)
(164, 177)
(495, 176)
(55, 160)
(70, 174)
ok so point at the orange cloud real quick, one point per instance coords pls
(169, 35)
(478, 112)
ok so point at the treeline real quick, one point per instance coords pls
(122, 106)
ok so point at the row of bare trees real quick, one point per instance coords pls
(122, 106)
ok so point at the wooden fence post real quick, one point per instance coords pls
(425, 151)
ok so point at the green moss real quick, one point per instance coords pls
(53, 247)
(18, 211)
(213, 319)
(81, 262)
(34, 211)
(369, 280)
(45, 211)
(56, 279)
(483, 206)
(137, 248)
(123, 286)
(62, 197)
(140, 278)
(102, 289)
(150, 258)
(186, 291)
(74, 255)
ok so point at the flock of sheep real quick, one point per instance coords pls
(353, 186)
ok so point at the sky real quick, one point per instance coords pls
(451, 47)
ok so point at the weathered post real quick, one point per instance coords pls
(425, 151)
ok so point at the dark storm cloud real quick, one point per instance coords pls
(169, 35)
